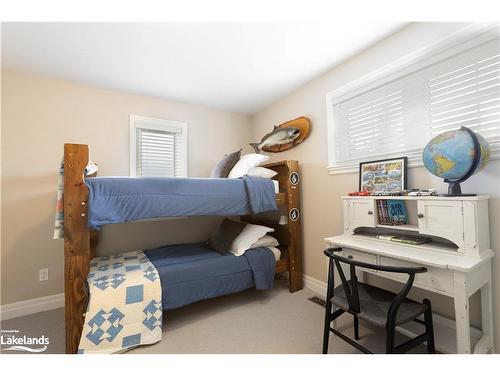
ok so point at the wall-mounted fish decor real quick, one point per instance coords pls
(278, 137)
(284, 136)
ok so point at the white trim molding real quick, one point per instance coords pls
(31, 306)
(315, 285)
(457, 42)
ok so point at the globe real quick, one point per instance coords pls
(455, 156)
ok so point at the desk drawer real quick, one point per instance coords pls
(360, 257)
(435, 278)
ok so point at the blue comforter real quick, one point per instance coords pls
(193, 272)
(124, 199)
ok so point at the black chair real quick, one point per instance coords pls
(375, 305)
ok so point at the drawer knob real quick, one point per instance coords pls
(420, 216)
(349, 257)
(370, 212)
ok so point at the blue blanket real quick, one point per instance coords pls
(124, 199)
(260, 196)
(193, 272)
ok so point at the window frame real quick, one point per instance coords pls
(153, 123)
(465, 38)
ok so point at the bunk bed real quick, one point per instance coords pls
(81, 229)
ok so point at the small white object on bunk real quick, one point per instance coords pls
(276, 186)
(276, 252)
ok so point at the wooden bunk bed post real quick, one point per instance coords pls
(294, 225)
(290, 234)
(77, 242)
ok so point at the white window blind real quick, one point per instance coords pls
(158, 147)
(399, 117)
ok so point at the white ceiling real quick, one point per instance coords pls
(240, 67)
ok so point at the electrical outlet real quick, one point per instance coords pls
(43, 274)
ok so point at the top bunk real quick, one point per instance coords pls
(126, 199)
(106, 200)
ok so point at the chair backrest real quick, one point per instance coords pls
(351, 286)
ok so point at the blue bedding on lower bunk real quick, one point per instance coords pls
(125, 199)
(193, 272)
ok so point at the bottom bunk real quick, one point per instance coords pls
(128, 291)
(193, 272)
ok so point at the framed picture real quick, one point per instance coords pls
(383, 175)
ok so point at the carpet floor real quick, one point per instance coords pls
(263, 322)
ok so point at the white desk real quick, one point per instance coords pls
(454, 273)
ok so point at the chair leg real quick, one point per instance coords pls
(390, 339)
(429, 327)
(326, 329)
(356, 327)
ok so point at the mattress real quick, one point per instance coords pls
(193, 272)
(125, 199)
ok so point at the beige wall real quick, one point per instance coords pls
(321, 205)
(39, 115)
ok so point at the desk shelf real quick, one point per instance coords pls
(446, 248)
(421, 198)
(460, 220)
(406, 227)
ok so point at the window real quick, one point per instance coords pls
(398, 114)
(157, 147)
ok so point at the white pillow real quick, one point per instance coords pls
(248, 236)
(245, 163)
(262, 172)
(265, 241)
(276, 252)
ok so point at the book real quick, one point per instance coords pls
(379, 211)
(397, 214)
(382, 212)
(385, 211)
(386, 237)
(411, 240)
(391, 212)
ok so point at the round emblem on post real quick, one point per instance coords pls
(294, 214)
(294, 178)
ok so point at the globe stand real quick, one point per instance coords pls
(454, 189)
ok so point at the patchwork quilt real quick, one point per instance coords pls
(124, 309)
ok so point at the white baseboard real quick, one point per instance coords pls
(315, 285)
(31, 306)
(444, 328)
